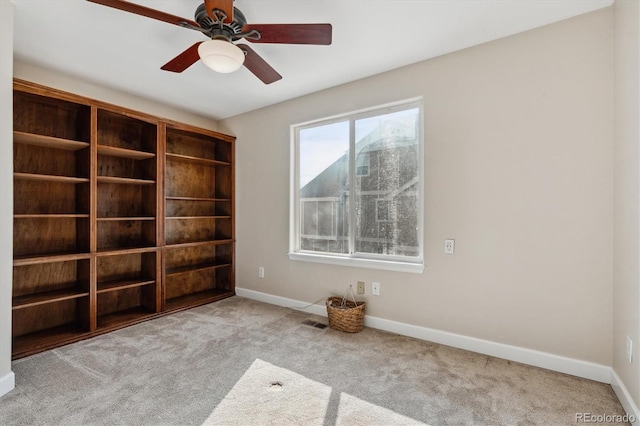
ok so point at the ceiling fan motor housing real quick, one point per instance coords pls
(218, 29)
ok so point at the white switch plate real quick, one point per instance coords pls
(260, 272)
(375, 288)
(449, 246)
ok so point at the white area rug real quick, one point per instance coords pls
(270, 395)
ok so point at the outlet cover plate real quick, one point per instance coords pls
(375, 288)
(449, 246)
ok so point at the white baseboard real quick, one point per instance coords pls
(574, 367)
(282, 301)
(7, 383)
(625, 398)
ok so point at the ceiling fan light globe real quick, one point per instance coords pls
(221, 56)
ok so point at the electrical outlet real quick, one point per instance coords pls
(449, 246)
(629, 349)
(360, 287)
(260, 272)
(375, 288)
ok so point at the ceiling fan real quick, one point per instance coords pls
(224, 24)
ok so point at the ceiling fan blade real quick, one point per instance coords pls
(291, 33)
(183, 60)
(144, 11)
(258, 66)
(224, 5)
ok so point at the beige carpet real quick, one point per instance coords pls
(270, 395)
(217, 364)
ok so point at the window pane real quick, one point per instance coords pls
(324, 186)
(383, 209)
(325, 218)
(309, 217)
(386, 198)
(362, 164)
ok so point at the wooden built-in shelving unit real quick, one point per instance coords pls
(199, 229)
(119, 217)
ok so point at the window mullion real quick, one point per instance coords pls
(352, 187)
(296, 205)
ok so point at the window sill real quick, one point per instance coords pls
(415, 268)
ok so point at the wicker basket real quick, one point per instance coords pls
(345, 315)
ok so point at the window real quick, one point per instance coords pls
(356, 193)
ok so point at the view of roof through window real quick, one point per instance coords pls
(385, 177)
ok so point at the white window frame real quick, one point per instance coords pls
(362, 260)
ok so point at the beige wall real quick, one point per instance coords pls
(6, 191)
(518, 169)
(626, 313)
(50, 78)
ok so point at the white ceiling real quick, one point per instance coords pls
(125, 51)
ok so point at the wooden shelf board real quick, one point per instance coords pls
(49, 178)
(31, 300)
(120, 251)
(124, 218)
(49, 258)
(199, 243)
(116, 285)
(196, 160)
(127, 250)
(114, 151)
(48, 141)
(127, 317)
(196, 299)
(198, 217)
(194, 268)
(197, 199)
(51, 216)
(174, 127)
(125, 181)
(46, 339)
